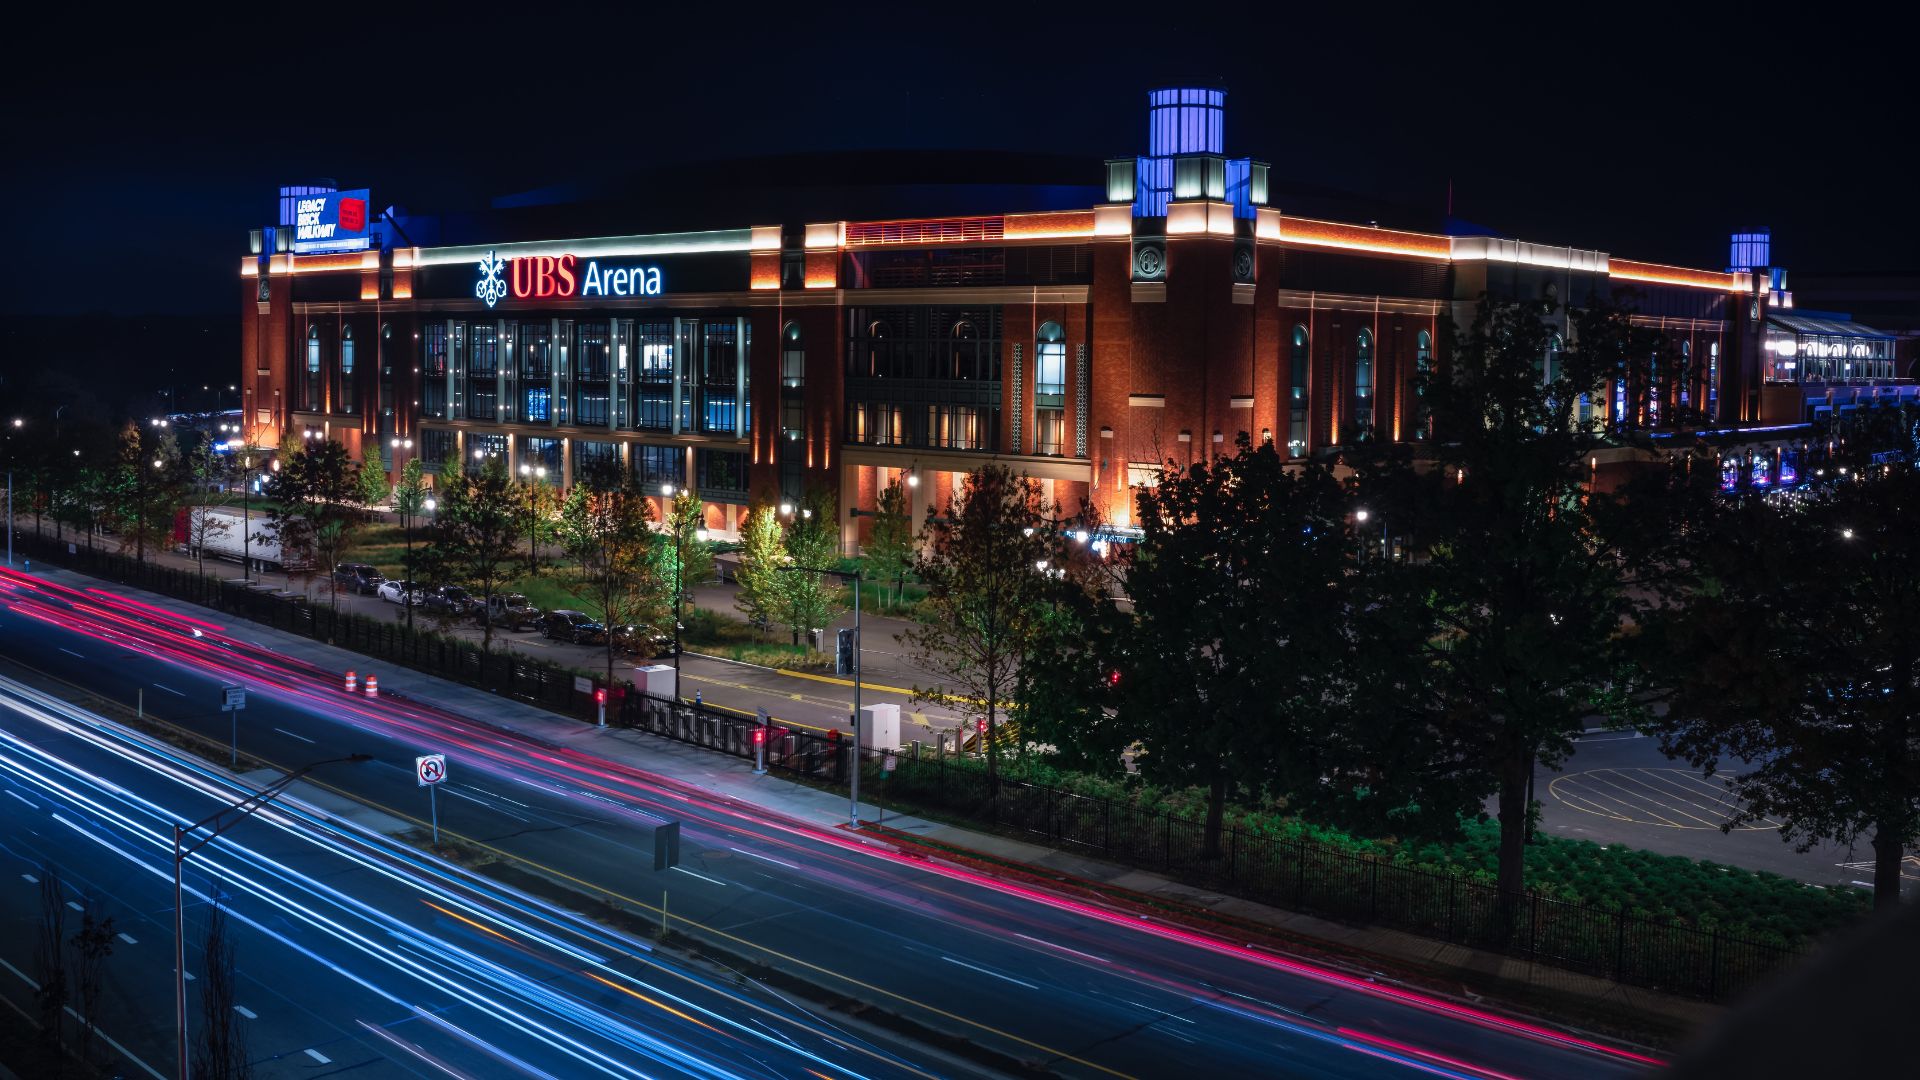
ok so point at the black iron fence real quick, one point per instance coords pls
(422, 648)
(1290, 874)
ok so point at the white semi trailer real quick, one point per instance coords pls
(232, 536)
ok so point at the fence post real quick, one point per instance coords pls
(1452, 882)
(1713, 967)
(1619, 945)
(1106, 825)
(1169, 840)
(1373, 892)
(1299, 872)
(1533, 925)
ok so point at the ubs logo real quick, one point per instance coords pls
(492, 285)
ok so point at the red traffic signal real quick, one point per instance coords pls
(1113, 677)
(600, 696)
(759, 735)
(980, 726)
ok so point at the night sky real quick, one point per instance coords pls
(139, 155)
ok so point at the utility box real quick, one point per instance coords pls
(655, 681)
(880, 727)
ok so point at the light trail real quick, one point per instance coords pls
(836, 858)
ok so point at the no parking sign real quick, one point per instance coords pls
(430, 769)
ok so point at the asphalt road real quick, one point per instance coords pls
(1619, 788)
(354, 952)
(1056, 984)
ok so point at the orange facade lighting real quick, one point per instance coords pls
(1334, 234)
(1656, 274)
(1061, 224)
(928, 231)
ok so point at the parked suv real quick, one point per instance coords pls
(643, 641)
(575, 626)
(513, 611)
(451, 600)
(357, 578)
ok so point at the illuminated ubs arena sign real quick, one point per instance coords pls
(548, 277)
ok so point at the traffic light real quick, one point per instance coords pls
(759, 735)
(600, 696)
(1113, 678)
(843, 653)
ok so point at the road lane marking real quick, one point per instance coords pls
(291, 735)
(70, 652)
(189, 976)
(31, 880)
(104, 1037)
(169, 689)
(767, 858)
(702, 877)
(1064, 949)
(319, 1057)
(246, 1012)
(986, 971)
(24, 799)
(458, 794)
(128, 938)
(75, 906)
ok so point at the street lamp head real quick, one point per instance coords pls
(701, 535)
(1040, 565)
(913, 479)
(541, 472)
(159, 464)
(429, 504)
(806, 513)
(406, 444)
(1028, 531)
(478, 454)
(667, 490)
(1360, 515)
(1846, 534)
(786, 509)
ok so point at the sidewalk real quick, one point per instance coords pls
(1371, 952)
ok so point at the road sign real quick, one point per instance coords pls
(887, 764)
(235, 698)
(582, 684)
(430, 769)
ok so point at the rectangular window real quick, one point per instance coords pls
(793, 368)
(593, 458)
(347, 397)
(719, 386)
(653, 378)
(659, 465)
(310, 396)
(1050, 375)
(483, 366)
(722, 473)
(927, 376)
(541, 451)
(1049, 429)
(436, 446)
(535, 397)
(793, 415)
(433, 371)
(593, 369)
(481, 448)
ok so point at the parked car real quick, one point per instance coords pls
(405, 593)
(357, 578)
(642, 641)
(575, 626)
(513, 611)
(451, 600)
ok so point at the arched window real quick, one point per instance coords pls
(310, 397)
(1050, 388)
(1713, 380)
(879, 350)
(1298, 363)
(1362, 384)
(965, 351)
(793, 357)
(1422, 371)
(1686, 373)
(346, 370)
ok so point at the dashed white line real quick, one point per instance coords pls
(319, 1057)
(31, 880)
(768, 858)
(246, 1012)
(291, 735)
(169, 689)
(1064, 949)
(24, 799)
(189, 976)
(458, 794)
(128, 938)
(988, 971)
(70, 652)
(702, 877)
(75, 906)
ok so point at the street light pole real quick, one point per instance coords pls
(180, 852)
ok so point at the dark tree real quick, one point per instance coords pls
(1519, 599)
(1239, 585)
(978, 558)
(310, 508)
(50, 953)
(476, 531)
(1793, 662)
(92, 944)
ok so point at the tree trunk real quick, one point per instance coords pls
(1888, 851)
(1216, 811)
(1513, 826)
(993, 767)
